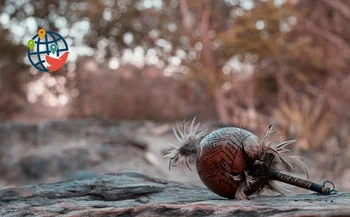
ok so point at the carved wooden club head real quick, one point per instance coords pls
(234, 163)
(222, 157)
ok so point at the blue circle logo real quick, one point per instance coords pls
(47, 51)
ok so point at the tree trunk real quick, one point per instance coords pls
(221, 107)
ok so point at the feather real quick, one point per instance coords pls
(178, 138)
(274, 187)
(240, 195)
(268, 132)
(201, 134)
(298, 161)
(184, 124)
(189, 140)
(187, 163)
(181, 134)
(191, 128)
(196, 128)
(249, 179)
(283, 159)
(284, 144)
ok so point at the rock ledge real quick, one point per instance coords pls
(135, 194)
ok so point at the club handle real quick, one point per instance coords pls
(302, 183)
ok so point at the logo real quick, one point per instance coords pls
(47, 51)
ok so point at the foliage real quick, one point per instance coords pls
(12, 76)
(253, 62)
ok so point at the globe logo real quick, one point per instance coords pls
(47, 51)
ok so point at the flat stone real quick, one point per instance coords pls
(135, 194)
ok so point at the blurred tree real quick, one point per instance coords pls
(243, 54)
(207, 39)
(212, 40)
(12, 78)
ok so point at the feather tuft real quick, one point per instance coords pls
(273, 156)
(189, 138)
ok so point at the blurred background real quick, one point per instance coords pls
(137, 67)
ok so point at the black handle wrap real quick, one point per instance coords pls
(322, 189)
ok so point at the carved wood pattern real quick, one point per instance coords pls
(220, 153)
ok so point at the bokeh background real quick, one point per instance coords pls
(137, 67)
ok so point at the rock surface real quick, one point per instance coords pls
(57, 150)
(135, 194)
(52, 151)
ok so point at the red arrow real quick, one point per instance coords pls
(56, 63)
